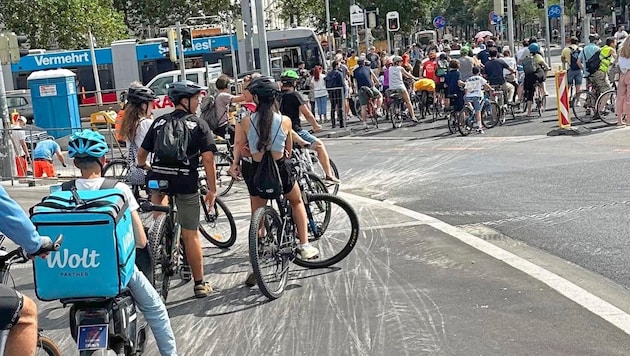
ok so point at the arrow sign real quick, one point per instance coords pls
(554, 11)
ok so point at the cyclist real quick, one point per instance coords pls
(182, 177)
(474, 87)
(366, 80)
(222, 103)
(88, 149)
(16, 309)
(292, 104)
(570, 58)
(466, 63)
(599, 79)
(267, 127)
(538, 76)
(136, 122)
(397, 85)
(494, 73)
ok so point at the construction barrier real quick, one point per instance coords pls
(562, 93)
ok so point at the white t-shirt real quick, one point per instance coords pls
(319, 87)
(17, 135)
(511, 62)
(95, 184)
(474, 86)
(396, 78)
(620, 36)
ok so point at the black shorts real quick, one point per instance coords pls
(11, 303)
(285, 167)
(439, 87)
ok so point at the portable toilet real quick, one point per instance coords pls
(55, 103)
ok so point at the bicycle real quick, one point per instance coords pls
(309, 162)
(218, 219)
(45, 345)
(397, 110)
(587, 107)
(498, 98)
(466, 119)
(370, 108)
(539, 98)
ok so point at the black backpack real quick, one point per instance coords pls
(267, 182)
(209, 112)
(575, 55)
(331, 79)
(172, 136)
(593, 63)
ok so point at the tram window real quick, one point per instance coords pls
(290, 56)
(160, 86)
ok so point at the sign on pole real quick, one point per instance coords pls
(356, 16)
(343, 30)
(554, 12)
(393, 21)
(439, 22)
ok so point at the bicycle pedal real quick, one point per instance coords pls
(185, 272)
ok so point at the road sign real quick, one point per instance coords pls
(343, 30)
(439, 22)
(496, 18)
(393, 21)
(356, 16)
(491, 16)
(554, 11)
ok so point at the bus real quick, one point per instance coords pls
(422, 38)
(294, 45)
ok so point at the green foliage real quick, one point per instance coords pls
(65, 23)
(299, 11)
(164, 13)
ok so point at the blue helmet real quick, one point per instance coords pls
(534, 48)
(87, 143)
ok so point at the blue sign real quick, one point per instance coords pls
(439, 22)
(199, 46)
(554, 11)
(496, 18)
(67, 59)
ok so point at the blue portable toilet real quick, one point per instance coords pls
(55, 103)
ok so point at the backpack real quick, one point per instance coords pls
(442, 68)
(529, 67)
(575, 55)
(97, 256)
(331, 79)
(171, 140)
(267, 182)
(209, 112)
(593, 63)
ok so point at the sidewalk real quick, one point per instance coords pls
(412, 285)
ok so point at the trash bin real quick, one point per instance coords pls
(55, 104)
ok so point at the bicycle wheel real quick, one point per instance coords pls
(46, 346)
(606, 107)
(452, 121)
(334, 241)
(224, 180)
(583, 105)
(490, 113)
(319, 171)
(396, 115)
(217, 225)
(116, 168)
(464, 125)
(270, 264)
(158, 243)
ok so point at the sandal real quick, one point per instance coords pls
(332, 180)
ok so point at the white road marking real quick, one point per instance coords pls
(594, 304)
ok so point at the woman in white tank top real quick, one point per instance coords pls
(397, 84)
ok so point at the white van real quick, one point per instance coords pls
(161, 82)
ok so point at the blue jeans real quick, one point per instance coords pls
(321, 105)
(150, 304)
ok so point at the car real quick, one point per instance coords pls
(20, 101)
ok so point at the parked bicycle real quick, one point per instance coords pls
(45, 345)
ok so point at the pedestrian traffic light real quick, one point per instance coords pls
(591, 6)
(393, 24)
(540, 4)
(186, 33)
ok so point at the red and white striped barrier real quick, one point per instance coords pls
(562, 93)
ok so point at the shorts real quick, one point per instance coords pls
(307, 136)
(439, 87)
(574, 77)
(41, 167)
(285, 167)
(188, 210)
(475, 101)
(11, 303)
(363, 95)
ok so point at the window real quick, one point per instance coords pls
(160, 86)
(16, 102)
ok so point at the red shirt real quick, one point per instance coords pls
(428, 68)
(405, 58)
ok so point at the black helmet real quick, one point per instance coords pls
(184, 90)
(264, 87)
(140, 95)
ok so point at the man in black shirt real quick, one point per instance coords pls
(182, 174)
(292, 104)
(494, 73)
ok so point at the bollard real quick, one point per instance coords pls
(564, 114)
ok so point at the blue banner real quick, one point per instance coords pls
(200, 46)
(66, 59)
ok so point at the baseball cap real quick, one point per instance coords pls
(22, 118)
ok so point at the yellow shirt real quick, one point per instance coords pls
(351, 63)
(566, 54)
(606, 58)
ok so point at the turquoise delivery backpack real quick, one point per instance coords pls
(97, 256)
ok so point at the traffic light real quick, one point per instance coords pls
(540, 4)
(186, 37)
(591, 6)
(172, 52)
(393, 24)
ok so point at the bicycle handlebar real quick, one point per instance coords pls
(47, 246)
(148, 206)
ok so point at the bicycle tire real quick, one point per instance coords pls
(220, 210)
(257, 251)
(490, 114)
(225, 181)
(581, 103)
(115, 168)
(159, 256)
(452, 122)
(319, 240)
(462, 122)
(396, 116)
(606, 112)
(48, 346)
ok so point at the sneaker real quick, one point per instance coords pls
(203, 290)
(308, 251)
(250, 281)
(365, 126)
(480, 130)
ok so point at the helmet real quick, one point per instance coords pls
(490, 43)
(140, 95)
(464, 51)
(264, 87)
(87, 143)
(534, 47)
(288, 76)
(397, 59)
(432, 55)
(184, 90)
(593, 37)
(443, 57)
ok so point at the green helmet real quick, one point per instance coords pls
(464, 51)
(289, 76)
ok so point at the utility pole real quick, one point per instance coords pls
(510, 26)
(329, 38)
(586, 27)
(263, 49)
(547, 33)
(97, 79)
(563, 34)
(245, 46)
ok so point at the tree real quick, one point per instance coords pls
(65, 24)
(298, 11)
